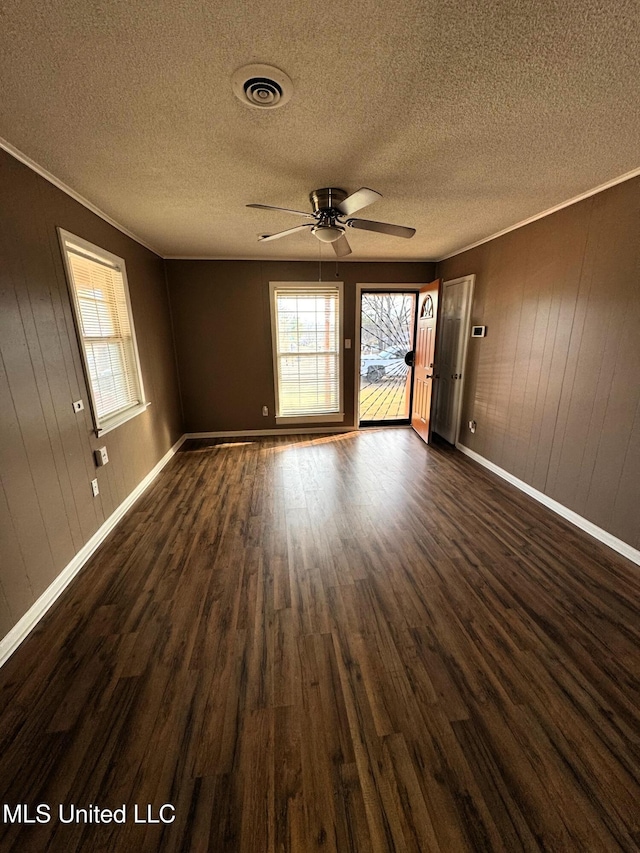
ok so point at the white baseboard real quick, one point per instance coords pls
(21, 629)
(249, 433)
(589, 527)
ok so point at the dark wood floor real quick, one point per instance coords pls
(344, 643)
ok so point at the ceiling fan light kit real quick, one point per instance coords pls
(327, 233)
(332, 209)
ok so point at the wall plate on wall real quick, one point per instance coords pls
(478, 331)
(101, 456)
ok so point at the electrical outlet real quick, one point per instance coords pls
(94, 488)
(101, 456)
(265, 411)
(78, 406)
(473, 426)
(347, 343)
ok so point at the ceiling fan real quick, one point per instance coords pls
(332, 209)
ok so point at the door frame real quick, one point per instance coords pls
(465, 347)
(387, 287)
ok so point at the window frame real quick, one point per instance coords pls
(106, 423)
(319, 418)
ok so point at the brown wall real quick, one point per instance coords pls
(222, 327)
(555, 385)
(47, 512)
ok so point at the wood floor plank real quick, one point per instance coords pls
(290, 829)
(349, 642)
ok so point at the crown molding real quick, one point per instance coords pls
(634, 173)
(35, 167)
(327, 260)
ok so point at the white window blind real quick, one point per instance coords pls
(105, 331)
(307, 350)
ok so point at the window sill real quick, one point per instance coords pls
(121, 418)
(332, 418)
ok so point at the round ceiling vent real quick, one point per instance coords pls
(262, 86)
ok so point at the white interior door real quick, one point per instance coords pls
(452, 349)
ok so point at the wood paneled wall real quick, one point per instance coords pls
(222, 326)
(47, 512)
(555, 385)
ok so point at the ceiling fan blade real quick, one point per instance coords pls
(382, 227)
(341, 247)
(357, 200)
(284, 209)
(267, 237)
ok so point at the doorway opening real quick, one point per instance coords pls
(387, 321)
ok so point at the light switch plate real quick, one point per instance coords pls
(78, 406)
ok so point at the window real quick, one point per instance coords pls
(307, 330)
(102, 312)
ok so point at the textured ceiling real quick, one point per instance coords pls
(467, 116)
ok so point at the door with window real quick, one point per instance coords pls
(424, 359)
(387, 320)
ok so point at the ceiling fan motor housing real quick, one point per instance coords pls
(326, 199)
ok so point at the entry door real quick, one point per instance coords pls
(424, 356)
(454, 330)
(387, 321)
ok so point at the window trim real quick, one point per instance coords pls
(320, 418)
(100, 255)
